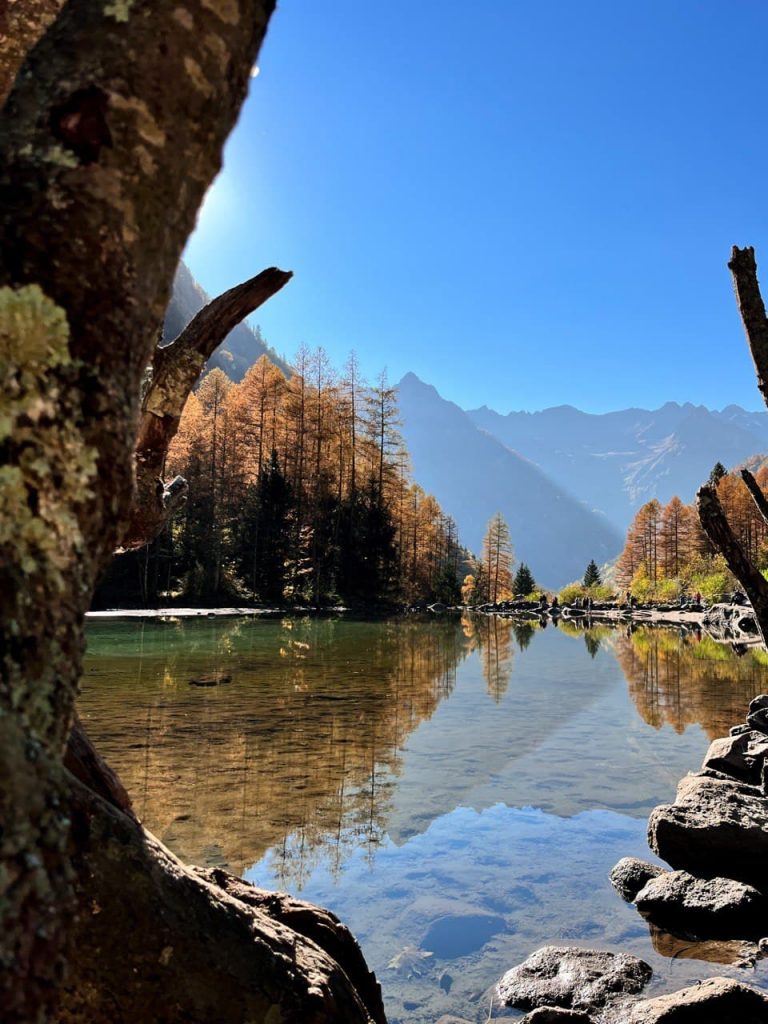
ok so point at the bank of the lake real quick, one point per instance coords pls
(453, 786)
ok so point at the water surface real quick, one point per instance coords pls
(453, 787)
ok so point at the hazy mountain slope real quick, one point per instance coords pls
(473, 475)
(617, 461)
(242, 347)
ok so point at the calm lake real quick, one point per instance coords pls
(457, 787)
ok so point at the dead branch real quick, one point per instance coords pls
(175, 369)
(752, 310)
(716, 526)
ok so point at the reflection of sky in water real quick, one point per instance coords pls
(402, 773)
(545, 876)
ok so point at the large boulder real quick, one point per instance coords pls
(631, 874)
(741, 757)
(714, 1001)
(706, 908)
(572, 978)
(715, 827)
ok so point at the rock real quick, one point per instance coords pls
(736, 730)
(707, 908)
(445, 981)
(630, 875)
(572, 978)
(714, 1001)
(763, 947)
(741, 756)
(455, 935)
(758, 720)
(759, 702)
(715, 828)
(212, 679)
(556, 1015)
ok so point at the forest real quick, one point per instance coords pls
(667, 553)
(300, 492)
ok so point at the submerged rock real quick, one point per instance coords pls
(556, 1015)
(715, 827)
(211, 679)
(707, 908)
(631, 874)
(455, 935)
(718, 1000)
(572, 978)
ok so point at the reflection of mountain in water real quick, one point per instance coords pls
(681, 680)
(297, 753)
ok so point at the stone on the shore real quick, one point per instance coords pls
(741, 756)
(707, 908)
(572, 978)
(556, 1015)
(715, 828)
(631, 874)
(714, 1001)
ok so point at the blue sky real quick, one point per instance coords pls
(527, 204)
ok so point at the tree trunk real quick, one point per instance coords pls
(716, 526)
(110, 136)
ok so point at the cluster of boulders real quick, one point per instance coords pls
(715, 837)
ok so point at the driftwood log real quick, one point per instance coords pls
(111, 133)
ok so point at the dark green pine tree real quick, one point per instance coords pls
(592, 575)
(523, 583)
(717, 474)
(263, 533)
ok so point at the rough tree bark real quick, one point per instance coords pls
(110, 136)
(714, 522)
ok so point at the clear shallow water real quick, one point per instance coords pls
(454, 786)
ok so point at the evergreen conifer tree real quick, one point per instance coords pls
(524, 582)
(592, 575)
(717, 474)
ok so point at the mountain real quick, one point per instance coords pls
(243, 345)
(474, 475)
(617, 461)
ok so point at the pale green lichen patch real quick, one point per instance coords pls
(48, 474)
(120, 10)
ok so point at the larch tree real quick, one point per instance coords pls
(111, 132)
(498, 559)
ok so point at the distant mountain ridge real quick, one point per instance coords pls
(243, 345)
(617, 461)
(474, 475)
(567, 482)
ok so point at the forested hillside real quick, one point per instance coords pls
(299, 491)
(667, 554)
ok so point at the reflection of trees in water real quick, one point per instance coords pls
(298, 754)
(684, 679)
(491, 636)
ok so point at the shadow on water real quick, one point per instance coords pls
(457, 789)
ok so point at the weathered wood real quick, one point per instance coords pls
(752, 309)
(175, 369)
(716, 526)
(756, 491)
